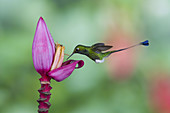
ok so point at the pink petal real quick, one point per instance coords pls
(58, 57)
(65, 71)
(43, 48)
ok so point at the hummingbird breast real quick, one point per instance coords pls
(91, 54)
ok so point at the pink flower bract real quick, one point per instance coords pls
(48, 56)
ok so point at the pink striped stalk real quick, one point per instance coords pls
(48, 61)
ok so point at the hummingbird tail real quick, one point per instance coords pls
(145, 43)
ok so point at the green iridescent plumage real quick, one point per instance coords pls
(95, 52)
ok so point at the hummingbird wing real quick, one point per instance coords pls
(103, 48)
(97, 44)
(98, 47)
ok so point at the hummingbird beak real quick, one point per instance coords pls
(70, 55)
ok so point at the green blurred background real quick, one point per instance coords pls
(134, 81)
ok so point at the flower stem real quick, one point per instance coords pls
(45, 94)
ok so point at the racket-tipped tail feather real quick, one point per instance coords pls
(145, 43)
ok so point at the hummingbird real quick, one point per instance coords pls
(95, 52)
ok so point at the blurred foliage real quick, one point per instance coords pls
(91, 89)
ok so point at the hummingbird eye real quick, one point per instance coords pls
(77, 49)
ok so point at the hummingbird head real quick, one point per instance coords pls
(78, 49)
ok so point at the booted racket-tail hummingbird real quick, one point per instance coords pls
(95, 52)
